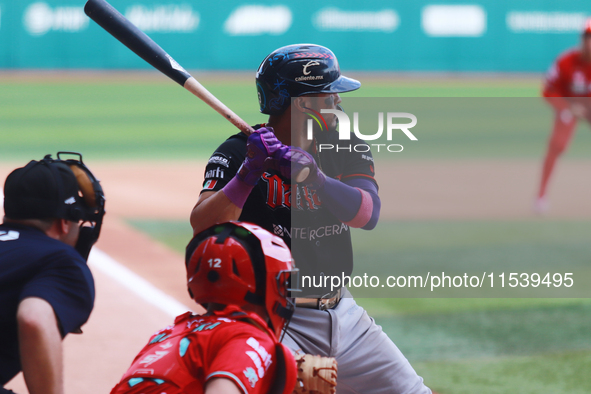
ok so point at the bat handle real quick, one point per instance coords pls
(193, 86)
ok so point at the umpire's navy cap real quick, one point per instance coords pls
(42, 189)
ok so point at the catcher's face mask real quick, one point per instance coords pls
(91, 204)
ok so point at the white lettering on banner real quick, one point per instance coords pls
(334, 19)
(466, 20)
(39, 18)
(178, 18)
(256, 20)
(545, 22)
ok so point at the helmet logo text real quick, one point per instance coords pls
(309, 64)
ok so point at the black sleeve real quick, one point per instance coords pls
(67, 285)
(224, 163)
(359, 164)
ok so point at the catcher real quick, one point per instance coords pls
(242, 275)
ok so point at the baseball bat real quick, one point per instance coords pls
(107, 17)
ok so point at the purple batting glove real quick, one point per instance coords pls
(260, 147)
(281, 161)
(299, 165)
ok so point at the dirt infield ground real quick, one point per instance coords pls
(122, 321)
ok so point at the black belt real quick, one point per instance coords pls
(329, 301)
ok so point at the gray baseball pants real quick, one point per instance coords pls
(368, 361)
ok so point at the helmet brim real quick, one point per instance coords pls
(342, 84)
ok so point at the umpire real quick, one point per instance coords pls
(53, 215)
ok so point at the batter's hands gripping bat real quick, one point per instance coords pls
(129, 35)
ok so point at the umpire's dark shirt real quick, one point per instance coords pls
(35, 265)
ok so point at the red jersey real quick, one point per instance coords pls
(230, 344)
(569, 76)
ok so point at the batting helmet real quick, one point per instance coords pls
(295, 70)
(587, 28)
(239, 264)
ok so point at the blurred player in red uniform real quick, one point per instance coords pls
(242, 274)
(568, 89)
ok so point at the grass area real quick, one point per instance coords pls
(474, 247)
(108, 118)
(484, 345)
(563, 373)
(469, 345)
(174, 234)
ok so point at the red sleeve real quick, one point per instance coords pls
(245, 355)
(557, 81)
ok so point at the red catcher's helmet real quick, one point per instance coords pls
(587, 28)
(242, 264)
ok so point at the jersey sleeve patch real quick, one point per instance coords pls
(221, 168)
(219, 159)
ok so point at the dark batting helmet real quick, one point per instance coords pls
(295, 70)
(238, 263)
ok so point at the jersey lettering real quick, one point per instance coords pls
(251, 375)
(263, 354)
(9, 235)
(257, 362)
(281, 231)
(217, 173)
(579, 84)
(307, 198)
(552, 74)
(152, 358)
(278, 192)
